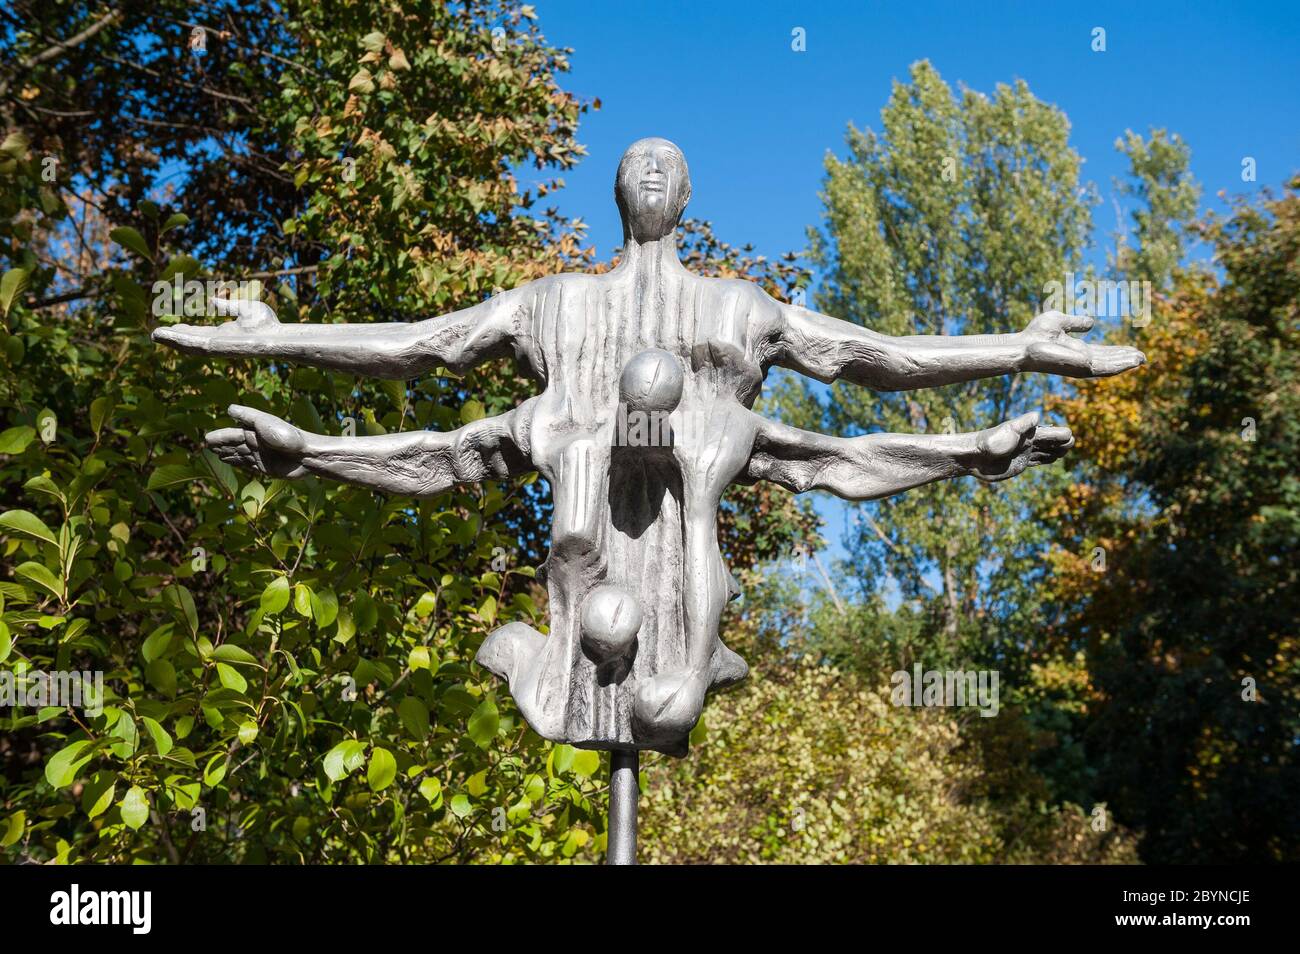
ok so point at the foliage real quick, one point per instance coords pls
(807, 764)
(1190, 631)
(287, 665)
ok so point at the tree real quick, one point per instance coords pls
(1190, 631)
(1160, 180)
(952, 220)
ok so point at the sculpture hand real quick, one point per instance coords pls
(263, 442)
(253, 319)
(1012, 447)
(1050, 347)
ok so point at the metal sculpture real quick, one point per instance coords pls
(648, 374)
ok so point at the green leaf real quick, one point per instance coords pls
(699, 733)
(228, 652)
(483, 723)
(15, 144)
(215, 770)
(180, 597)
(97, 794)
(343, 759)
(231, 679)
(247, 731)
(157, 642)
(131, 240)
(175, 221)
(564, 755)
(135, 807)
(415, 717)
(43, 485)
(472, 411)
(324, 607)
(586, 762)
(100, 408)
(28, 523)
(13, 282)
(168, 475)
(382, 770)
(162, 675)
(346, 628)
(15, 825)
(41, 576)
(476, 784)
(6, 641)
(276, 596)
(431, 788)
(16, 439)
(161, 740)
(302, 600)
(418, 658)
(460, 805)
(62, 767)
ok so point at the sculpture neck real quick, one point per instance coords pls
(648, 260)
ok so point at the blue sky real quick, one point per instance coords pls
(755, 118)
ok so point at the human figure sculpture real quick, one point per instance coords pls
(636, 579)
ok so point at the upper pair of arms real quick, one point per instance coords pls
(813, 344)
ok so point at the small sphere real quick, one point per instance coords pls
(651, 381)
(668, 705)
(611, 617)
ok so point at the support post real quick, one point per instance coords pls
(624, 767)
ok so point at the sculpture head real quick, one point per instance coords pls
(652, 187)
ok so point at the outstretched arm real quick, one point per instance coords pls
(396, 350)
(415, 463)
(829, 349)
(880, 465)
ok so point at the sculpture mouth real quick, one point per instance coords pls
(653, 185)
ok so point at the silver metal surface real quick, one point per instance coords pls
(624, 769)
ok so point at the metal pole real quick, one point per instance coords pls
(624, 767)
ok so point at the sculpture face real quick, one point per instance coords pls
(651, 188)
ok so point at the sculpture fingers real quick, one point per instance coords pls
(1007, 438)
(268, 432)
(186, 338)
(224, 438)
(1077, 323)
(1107, 360)
(1060, 321)
(1052, 435)
(248, 313)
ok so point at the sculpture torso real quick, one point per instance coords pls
(640, 517)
